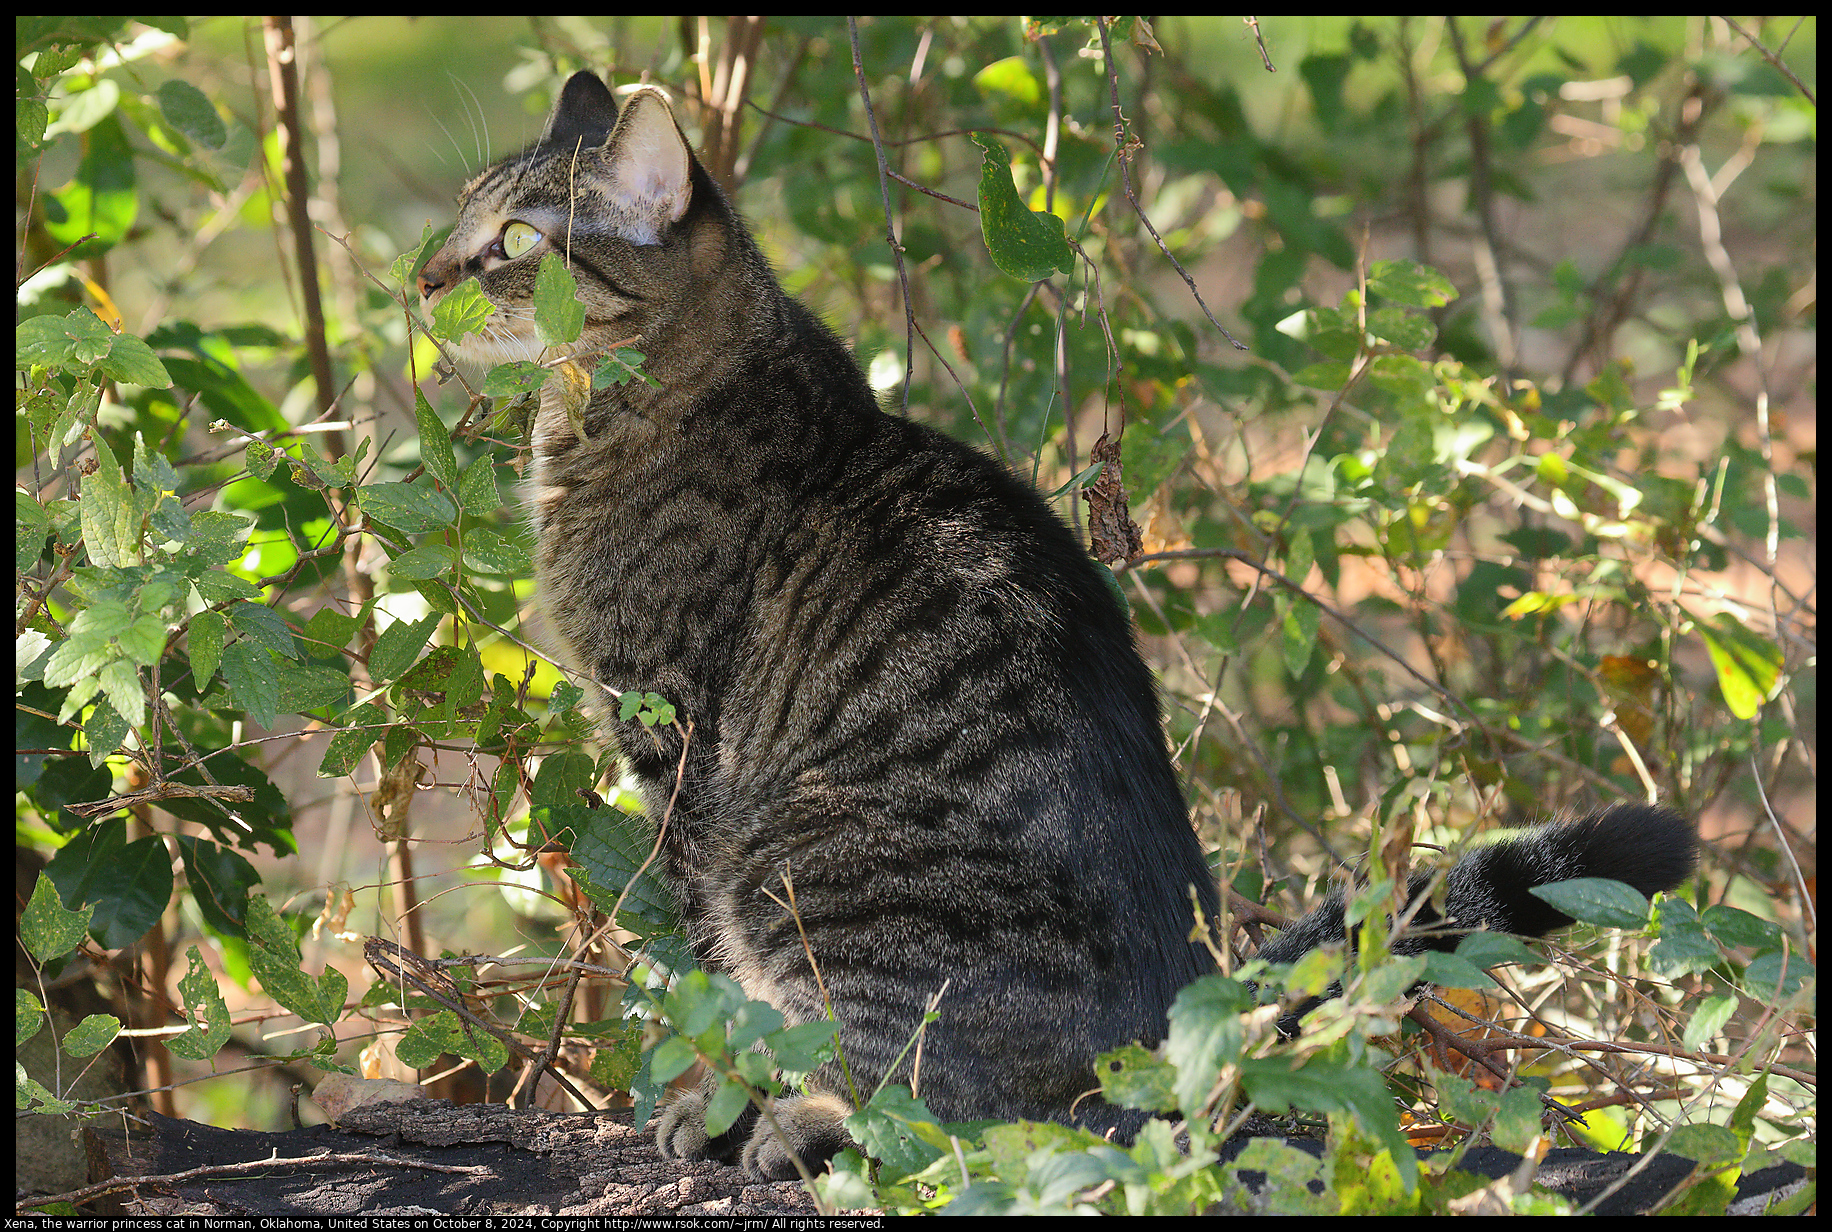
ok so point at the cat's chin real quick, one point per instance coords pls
(487, 352)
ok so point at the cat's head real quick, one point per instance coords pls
(607, 192)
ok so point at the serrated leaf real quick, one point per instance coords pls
(464, 310)
(403, 267)
(477, 491)
(435, 442)
(512, 379)
(1206, 1033)
(249, 672)
(308, 686)
(30, 526)
(46, 929)
(121, 684)
(411, 508)
(266, 626)
(497, 554)
(203, 1003)
(362, 728)
(398, 646)
(78, 340)
(620, 367)
(111, 532)
(428, 560)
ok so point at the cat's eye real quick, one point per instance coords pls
(518, 238)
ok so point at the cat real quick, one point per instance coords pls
(900, 676)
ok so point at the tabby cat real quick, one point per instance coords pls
(903, 680)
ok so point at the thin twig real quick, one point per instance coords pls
(1773, 58)
(890, 221)
(1126, 145)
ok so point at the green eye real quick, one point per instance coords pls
(518, 238)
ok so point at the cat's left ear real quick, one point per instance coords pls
(586, 112)
(651, 166)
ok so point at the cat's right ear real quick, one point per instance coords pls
(585, 114)
(650, 168)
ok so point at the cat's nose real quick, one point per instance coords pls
(436, 274)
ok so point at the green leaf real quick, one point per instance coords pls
(398, 646)
(273, 954)
(1205, 1034)
(428, 560)
(1454, 971)
(1708, 1019)
(186, 109)
(206, 644)
(249, 672)
(265, 626)
(1733, 926)
(1013, 78)
(132, 362)
(1683, 948)
(727, 1102)
(511, 379)
(46, 929)
(121, 685)
(203, 1003)
(477, 491)
(90, 1036)
(463, 311)
(408, 507)
(1133, 1077)
(898, 1129)
(28, 1017)
(435, 442)
(31, 524)
(405, 266)
(1409, 283)
(1773, 974)
(220, 879)
(1596, 900)
(130, 884)
(1748, 666)
(496, 553)
(306, 687)
(559, 317)
(620, 367)
(362, 727)
(111, 532)
(1026, 244)
(74, 341)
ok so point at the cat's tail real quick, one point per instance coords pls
(1649, 847)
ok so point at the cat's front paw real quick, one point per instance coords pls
(813, 1129)
(680, 1128)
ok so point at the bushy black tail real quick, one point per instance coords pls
(1649, 847)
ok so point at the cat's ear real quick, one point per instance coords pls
(651, 170)
(586, 113)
